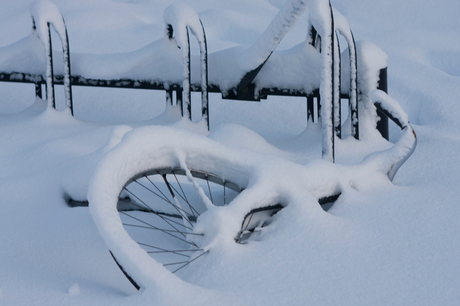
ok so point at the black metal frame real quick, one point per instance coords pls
(382, 124)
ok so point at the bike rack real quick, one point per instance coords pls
(45, 37)
(186, 107)
(328, 96)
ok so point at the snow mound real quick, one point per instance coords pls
(235, 135)
(74, 289)
(266, 180)
(75, 182)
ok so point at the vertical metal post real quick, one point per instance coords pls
(204, 78)
(169, 98)
(38, 90)
(67, 72)
(186, 106)
(353, 102)
(328, 90)
(382, 125)
(189, 77)
(318, 106)
(310, 108)
(50, 72)
(337, 105)
(333, 36)
(179, 97)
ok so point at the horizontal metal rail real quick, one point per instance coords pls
(19, 77)
(38, 79)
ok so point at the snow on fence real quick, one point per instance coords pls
(181, 17)
(44, 14)
(318, 69)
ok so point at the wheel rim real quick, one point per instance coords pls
(159, 208)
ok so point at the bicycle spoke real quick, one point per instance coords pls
(151, 210)
(155, 185)
(190, 261)
(174, 205)
(163, 198)
(249, 222)
(150, 225)
(170, 241)
(174, 197)
(166, 217)
(154, 247)
(178, 193)
(190, 206)
(145, 204)
(175, 263)
(183, 196)
(159, 229)
(191, 243)
(165, 251)
(173, 221)
(192, 210)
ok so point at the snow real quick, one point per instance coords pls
(282, 23)
(382, 243)
(74, 289)
(370, 60)
(44, 12)
(75, 183)
(156, 148)
(392, 106)
(181, 18)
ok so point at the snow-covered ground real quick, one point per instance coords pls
(382, 243)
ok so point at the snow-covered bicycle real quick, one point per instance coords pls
(152, 193)
(163, 198)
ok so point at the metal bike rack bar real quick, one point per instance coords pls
(49, 65)
(328, 96)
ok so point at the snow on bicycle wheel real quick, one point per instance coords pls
(160, 207)
(148, 194)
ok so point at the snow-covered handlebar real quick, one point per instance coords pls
(395, 157)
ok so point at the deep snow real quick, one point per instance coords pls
(382, 243)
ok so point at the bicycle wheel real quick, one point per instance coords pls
(159, 208)
(148, 193)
